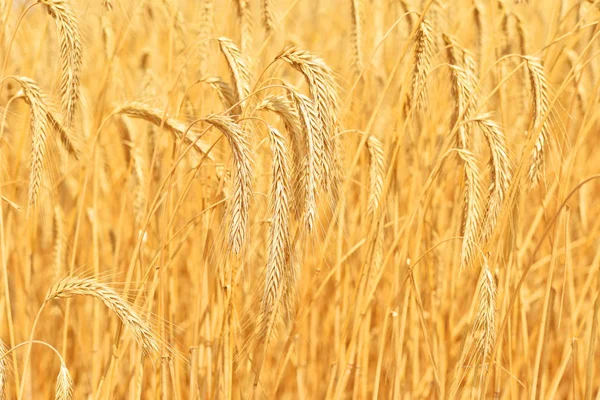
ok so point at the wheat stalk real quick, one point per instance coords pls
(71, 54)
(80, 286)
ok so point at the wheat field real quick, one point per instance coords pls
(299, 199)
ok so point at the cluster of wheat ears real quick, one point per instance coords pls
(289, 199)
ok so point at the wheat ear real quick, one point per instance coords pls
(541, 120)
(322, 87)
(225, 93)
(284, 108)
(40, 129)
(242, 190)
(3, 369)
(71, 54)
(356, 11)
(268, 16)
(80, 286)
(238, 68)
(244, 14)
(423, 53)
(501, 173)
(155, 116)
(376, 173)
(64, 384)
(278, 258)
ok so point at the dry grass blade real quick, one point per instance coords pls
(423, 53)
(540, 109)
(240, 74)
(64, 384)
(79, 286)
(322, 87)
(376, 172)
(155, 116)
(501, 173)
(242, 181)
(71, 54)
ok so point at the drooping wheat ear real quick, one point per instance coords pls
(3, 369)
(284, 108)
(40, 129)
(81, 286)
(322, 87)
(225, 93)
(242, 182)
(278, 261)
(501, 173)
(471, 207)
(310, 173)
(482, 335)
(357, 25)
(64, 384)
(60, 240)
(71, 54)
(540, 121)
(240, 74)
(486, 313)
(205, 29)
(155, 116)
(376, 173)
(244, 13)
(423, 53)
(268, 16)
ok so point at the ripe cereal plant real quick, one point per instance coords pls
(283, 199)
